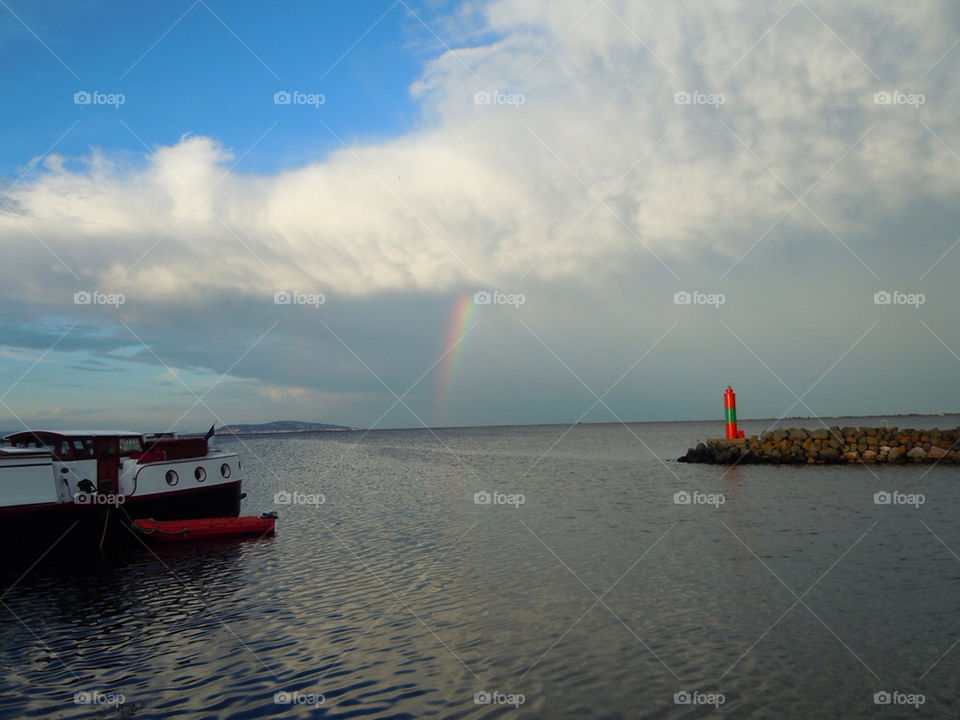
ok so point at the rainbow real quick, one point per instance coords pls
(461, 320)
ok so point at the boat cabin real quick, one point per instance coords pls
(107, 449)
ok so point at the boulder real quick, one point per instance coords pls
(936, 453)
(917, 454)
(850, 457)
(895, 453)
(829, 454)
(869, 457)
(821, 434)
(728, 456)
(798, 434)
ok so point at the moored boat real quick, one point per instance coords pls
(206, 528)
(79, 488)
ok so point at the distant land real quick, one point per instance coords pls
(279, 426)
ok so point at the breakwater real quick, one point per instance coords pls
(834, 445)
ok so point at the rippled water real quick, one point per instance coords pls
(400, 596)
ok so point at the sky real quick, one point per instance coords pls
(407, 214)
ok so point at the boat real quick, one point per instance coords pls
(206, 528)
(78, 488)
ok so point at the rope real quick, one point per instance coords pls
(106, 519)
(152, 530)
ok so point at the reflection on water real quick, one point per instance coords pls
(395, 595)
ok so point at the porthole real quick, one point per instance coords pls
(225, 470)
(200, 473)
(172, 478)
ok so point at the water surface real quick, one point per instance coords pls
(400, 596)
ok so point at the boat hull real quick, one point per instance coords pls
(60, 528)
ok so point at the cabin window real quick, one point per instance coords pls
(41, 441)
(83, 448)
(63, 450)
(225, 470)
(200, 474)
(172, 478)
(130, 445)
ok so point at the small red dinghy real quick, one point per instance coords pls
(206, 528)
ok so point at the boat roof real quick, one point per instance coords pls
(76, 433)
(22, 451)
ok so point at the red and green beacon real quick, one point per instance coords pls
(730, 411)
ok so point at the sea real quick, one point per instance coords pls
(560, 571)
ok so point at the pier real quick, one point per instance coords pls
(832, 445)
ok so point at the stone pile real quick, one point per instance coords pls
(833, 445)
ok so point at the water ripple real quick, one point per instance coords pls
(400, 597)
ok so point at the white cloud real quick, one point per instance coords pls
(490, 192)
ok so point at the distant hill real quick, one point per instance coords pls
(279, 426)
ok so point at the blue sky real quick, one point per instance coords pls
(210, 68)
(660, 198)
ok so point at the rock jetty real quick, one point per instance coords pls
(834, 445)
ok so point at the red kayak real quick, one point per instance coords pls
(206, 528)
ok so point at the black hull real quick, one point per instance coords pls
(69, 528)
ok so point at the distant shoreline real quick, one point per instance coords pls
(304, 428)
(247, 433)
(779, 421)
